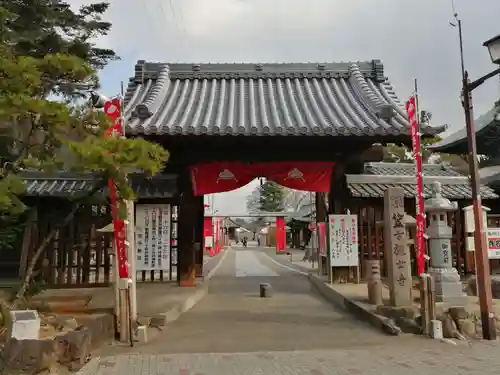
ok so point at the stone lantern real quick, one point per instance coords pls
(447, 279)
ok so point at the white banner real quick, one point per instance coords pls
(152, 237)
(344, 247)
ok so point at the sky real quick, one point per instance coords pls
(413, 39)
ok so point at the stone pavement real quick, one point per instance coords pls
(233, 331)
(427, 358)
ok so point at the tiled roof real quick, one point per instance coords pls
(378, 177)
(263, 99)
(461, 191)
(487, 137)
(408, 169)
(490, 175)
(71, 185)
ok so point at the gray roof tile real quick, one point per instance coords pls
(262, 99)
(487, 135)
(378, 177)
(459, 191)
(73, 186)
(408, 169)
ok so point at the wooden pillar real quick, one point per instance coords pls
(321, 217)
(199, 236)
(188, 210)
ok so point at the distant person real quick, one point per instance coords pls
(244, 242)
(258, 241)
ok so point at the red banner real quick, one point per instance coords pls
(208, 231)
(280, 234)
(218, 177)
(112, 109)
(322, 238)
(411, 109)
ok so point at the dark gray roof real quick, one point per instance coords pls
(378, 177)
(263, 99)
(408, 169)
(74, 186)
(487, 137)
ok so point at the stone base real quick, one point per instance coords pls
(448, 286)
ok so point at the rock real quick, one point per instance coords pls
(408, 325)
(61, 323)
(410, 312)
(467, 327)
(495, 286)
(457, 313)
(449, 327)
(448, 341)
(391, 328)
(67, 349)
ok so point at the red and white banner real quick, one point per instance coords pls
(218, 177)
(112, 109)
(280, 234)
(208, 233)
(411, 109)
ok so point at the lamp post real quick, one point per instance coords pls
(480, 241)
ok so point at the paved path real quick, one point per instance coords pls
(233, 331)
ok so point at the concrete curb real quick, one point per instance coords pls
(175, 312)
(167, 317)
(358, 310)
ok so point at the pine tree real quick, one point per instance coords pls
(271, 197)
(46, 61)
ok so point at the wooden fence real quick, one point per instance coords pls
(80, 256)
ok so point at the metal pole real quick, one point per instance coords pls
(462, 60)
(480, 248)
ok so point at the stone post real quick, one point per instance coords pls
(396, 249)
(374, 282)
(448, 287)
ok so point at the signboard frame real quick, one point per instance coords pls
(493, 235)
(350, 261)
(153, 238)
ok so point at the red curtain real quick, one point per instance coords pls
(280, 234)
(218, 177)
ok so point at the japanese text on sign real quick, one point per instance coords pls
(397, 239)
(343, 240)
(493, 243)
(153, 234)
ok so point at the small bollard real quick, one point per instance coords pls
(265, 290)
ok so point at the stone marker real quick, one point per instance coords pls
(265, 290)
(374, 282)
(396, 249)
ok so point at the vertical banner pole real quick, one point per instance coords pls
(113, 110)
(412, 111)
(329, 252)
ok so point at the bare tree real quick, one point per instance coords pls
(294, 199)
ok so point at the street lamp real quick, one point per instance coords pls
(480, 241)
(493, 46)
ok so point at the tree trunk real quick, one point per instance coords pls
(39, 251)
